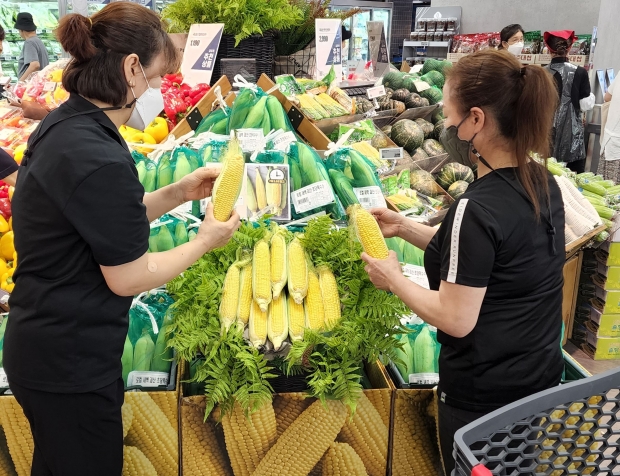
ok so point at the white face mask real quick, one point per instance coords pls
(147, 108)
(516, 49)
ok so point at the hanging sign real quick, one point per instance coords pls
(201, 48)
(377, 46)
(328, 47)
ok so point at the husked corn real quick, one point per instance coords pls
(342, 460)
(245, 295)
(168, 404)
(330, 295)
(261, 193)
(296, 320)
(257, 326)
(135, 463)
(228, 184)
(230, 297)
(261, 275)
(288, 407)
(278, 262)
(18, 435)
(277, 321)
(274, 196)
(297, 268)
(315, 309)
(127, 415)
(368, 232)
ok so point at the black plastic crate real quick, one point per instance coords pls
(260, 48)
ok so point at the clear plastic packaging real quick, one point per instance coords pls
(451, 24)
(431, 24)
(441, 24)
(420, 24)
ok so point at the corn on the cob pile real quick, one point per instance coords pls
(381, 399)
(228, 184)
(333, 108)
(261, 193)
(296, 320)
(277, 321)
(273, 190)
(311, 107)
(202, 455)
(230, 297)
(288, 407)
(330, 295)
(152, 433)
(342, 460)
(304, 442)
(368, 436)
(297, 268)
(245, 295)
(368, 232)
(343, 99)
(136, 464)
(6, 465)
(315, 308)
(257, 327)
(369, 152)
(18, 436)
(168, 404)
(127, 415)
(278, 262)
(248, 439)
(261, 275)
(414, 451)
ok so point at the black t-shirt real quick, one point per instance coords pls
(77, 205)
(7, 165)
(491, 238)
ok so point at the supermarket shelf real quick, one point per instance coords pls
(433, 44)
(593, 366)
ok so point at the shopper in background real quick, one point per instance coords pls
(495, 264)
(81, 221)
(8, 168)
(345, 36)
(2, 37)
(573, 86)
(33, 57)
(511, 38)
(609, 164)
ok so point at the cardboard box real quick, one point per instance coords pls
(601, 348)
(609, 279)
(604, 325)
(610, 255)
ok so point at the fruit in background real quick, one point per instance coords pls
(127, 132)
(143, 138)
(158, 129)
(4, 226)
(56, 76)
(7, 247)
(60, 95)
(19, 153)
(6, 282)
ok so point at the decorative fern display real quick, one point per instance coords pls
(232, 370)
(241, 18)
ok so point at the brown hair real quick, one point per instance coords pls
(2, 34)
(559, 46)
(508, 32)
(523, 109)
(100, 44)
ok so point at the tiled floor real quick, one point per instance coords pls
(592, 366)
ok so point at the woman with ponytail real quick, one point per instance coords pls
(495, 264)
(81, 221)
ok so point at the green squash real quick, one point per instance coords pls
(439, 127)
(423, 182)
(433, 148)
(426, 126)
(407, 134)
(457, 189)
(419, 154)
(453, 172)
(433, 94)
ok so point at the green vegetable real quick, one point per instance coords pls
(143, 352)
(407, 134)
(433, 147)
(604, 212)
(424, 350)
(127, 359)
(165, 241)
(405, 362)
(343, 187)
(426, 127)
(433, 94)
(590, 186)
(423, 182)
(457, 189)
(454, 172)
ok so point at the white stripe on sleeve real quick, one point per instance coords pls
(454, 240)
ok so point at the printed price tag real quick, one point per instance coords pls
(49, 86)
(251, 139)
(417, 68)
(313, 196)
(282, 141)
(376, 92)
(4, 382)
(147, 379)
(421, 86)
(417, 274)
(425, 43)
(423, 379)
(328, 47)
(391, 153)
(370, 197)
(184, 208)
(200, 52)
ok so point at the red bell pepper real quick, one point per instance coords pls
(4, 192)
(5, 207)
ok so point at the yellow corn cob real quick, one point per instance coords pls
(330, 295)
(315, 309)
(202, 455)
(18, 436)
(127, 414)
(369, 152)
(230, 297)
(381, 399)
(368, 436)
(273, 191)
(261, 193)
(277, 321)
(251, 197)
(296, 320)
(414, 451)
(261, 275)
(304, 442)
(342, 460)
(288, 407)
(135, 463)
(228, 184)
(311, 108)
(330, 105)
(152, 433)
(297, 268)
(248, 439)
(278, 262)
(168, 404)
(245, 295)
(257, 326)
(7, 468)
(368, 232)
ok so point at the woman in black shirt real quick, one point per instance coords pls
(495, 264)
(81, 221)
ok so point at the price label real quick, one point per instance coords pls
(417, 274)
(4, 382)
(323, 38)
(147, 379)
(328, 38)
(184, 208)
(203, 42)
(391, 153)
(194, 43)
(424, 379)
(313, 196)
(425, 43)
(421, 86)
(376, 92)
(251, 139)
(282, 141)
(417, 68)
(370, 197)
(49, 86)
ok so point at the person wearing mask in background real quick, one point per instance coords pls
(512, 39)
(609, 164)
(495, 265)
(33, 57)
(81, 221)
(573, 87)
